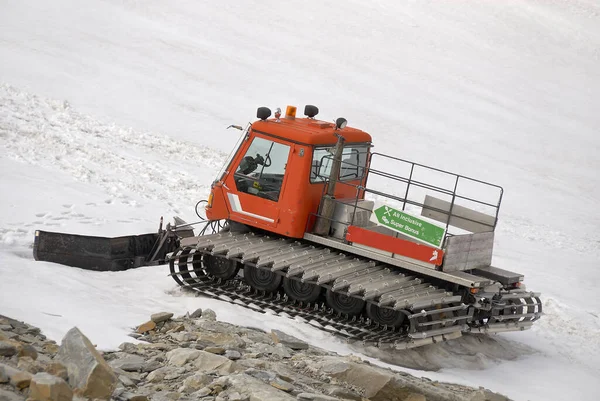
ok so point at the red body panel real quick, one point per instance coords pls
(400, 246)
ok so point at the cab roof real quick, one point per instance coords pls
(308, 131)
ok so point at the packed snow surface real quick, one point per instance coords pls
(113, 113)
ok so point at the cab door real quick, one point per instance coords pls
(256, 184)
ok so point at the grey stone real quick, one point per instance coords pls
(46, 387)
(215, 350)
(195, 382)
(281, 385)
(17, 378)
(3, 376)
(282, 351)
(28, 351)
(7, 335)
(316, 397)
(89, 374)
(209, 314)
(203, 392)
(233, 354)
(196, 314)
(181, 356)
(129, 363)
(183, 336)
(29, 365)
(158, 375)
(341, 392)
(126, 381)
(161, 317)
(287, 340)
(127, 396)
(151, 366)
(10, 396)
(207, 362)
(261, 374)
(7, 349)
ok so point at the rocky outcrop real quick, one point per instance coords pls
(46, 387)
(199, 358)
(88, 372)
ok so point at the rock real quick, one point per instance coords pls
(7, 349)
(181, 356)
(46, 387)
(57, 369)
(258, 390)
(89, 374)
(233, 355)
(129, 363)
(150, 366)
(225, 340)
(176, 329)
(340, 392)
(3, 376)
(209, 314)
(133, 397)
(158, 375)
(51, 348)
(28, 351)
(207, 362)
(316, 397)
(146, 327)
(183, 336)
(10, 396)
(126, 381)
(282, 351)
(281, 385)
(16, 377)
(203, 392)
(195, 382)
(29, 365)
(415, 397)
(161, 317)
(215, 350)
(196, 314)
(287, 340)
(377, 384)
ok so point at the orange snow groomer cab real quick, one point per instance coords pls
(276, 179)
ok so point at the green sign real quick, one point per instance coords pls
(408, 224)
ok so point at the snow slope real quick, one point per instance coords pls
(505, 91)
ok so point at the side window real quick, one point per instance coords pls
(354, 160)
(262, 169)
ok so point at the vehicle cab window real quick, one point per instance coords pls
(354, 160)
(262, 169)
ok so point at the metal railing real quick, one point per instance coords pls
(452, 192)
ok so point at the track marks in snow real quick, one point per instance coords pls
(129, 165)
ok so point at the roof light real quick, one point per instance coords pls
(311, 111)
(290, 112)
(263, 113)
(341, 123)
(277, 114)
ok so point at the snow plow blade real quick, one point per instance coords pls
(95, 253)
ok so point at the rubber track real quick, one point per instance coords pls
(237, 292)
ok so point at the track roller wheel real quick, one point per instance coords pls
(344, 304)
(220, 267)
(261, 279)
(385, 316)
(302, 292)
